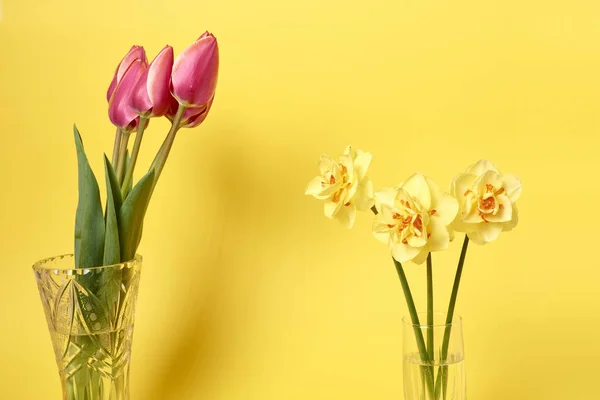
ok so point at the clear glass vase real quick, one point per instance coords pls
(90, 315)
(434, 361)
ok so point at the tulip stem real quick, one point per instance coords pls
(122, 156)
(115, 156)
(134, 155)
(161, 157)
(442, 377)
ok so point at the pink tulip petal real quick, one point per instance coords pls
(195, 71)
(140, 100)
(188, 114)
(135, 53)
(194, 121)
(119, 110)
(111, 87)
(159, 81)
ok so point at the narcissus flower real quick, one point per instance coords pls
(487, 202)
(343, 185)
(413, 218)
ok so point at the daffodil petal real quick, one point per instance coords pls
(346, 161)
(350, 151)
(445, 206)
(433, 187)
(476, 237)
(314, 187)
(351, 190)
(512, 186)
(385, 196)
(416, 186)
(328, 190)
(363, 198)
(386, 214)
(439, 238)
(490, 177)
(460, 226)
(346, 215)
(480, 167)
(508, 226)
(331, 208)
(471, 215)
(361, 164)
(451, 233)
(490, 231)
(461, 184)
(416, 241)
(381, 232)
(421, 257)
(325, 164)
(403, 252)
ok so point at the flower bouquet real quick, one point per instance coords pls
(415, 219)
(89, 297)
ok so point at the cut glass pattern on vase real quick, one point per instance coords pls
(90, 315)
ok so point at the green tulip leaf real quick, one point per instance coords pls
(89, 219)
(112, 251)
(131, 216)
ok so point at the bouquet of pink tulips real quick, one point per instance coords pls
(90, 311)
(182, 90)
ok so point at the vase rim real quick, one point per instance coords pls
(456, 320)
(49, 264)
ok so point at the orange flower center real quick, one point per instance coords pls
(488, 203)
(408, 222)
(345, 183)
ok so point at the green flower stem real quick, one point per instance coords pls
(443, 369)
(122, 155)
(430, 307)
(162, 155)
(427, 369)
(416, 326)
(115, 156)
(134, 155)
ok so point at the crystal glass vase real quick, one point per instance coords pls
(90, 315)
(434, 367)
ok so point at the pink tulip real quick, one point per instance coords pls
(195, 71)
(151, 96)
(119, 109)
(192, 117)
(135, 53)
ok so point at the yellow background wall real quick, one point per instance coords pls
(248, 292)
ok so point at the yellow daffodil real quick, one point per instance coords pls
(486, 201)
(413, 218)
(343, 185)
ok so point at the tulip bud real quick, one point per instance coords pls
(195, 71)
(151, 96)
(119, 110)
(135, 53)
